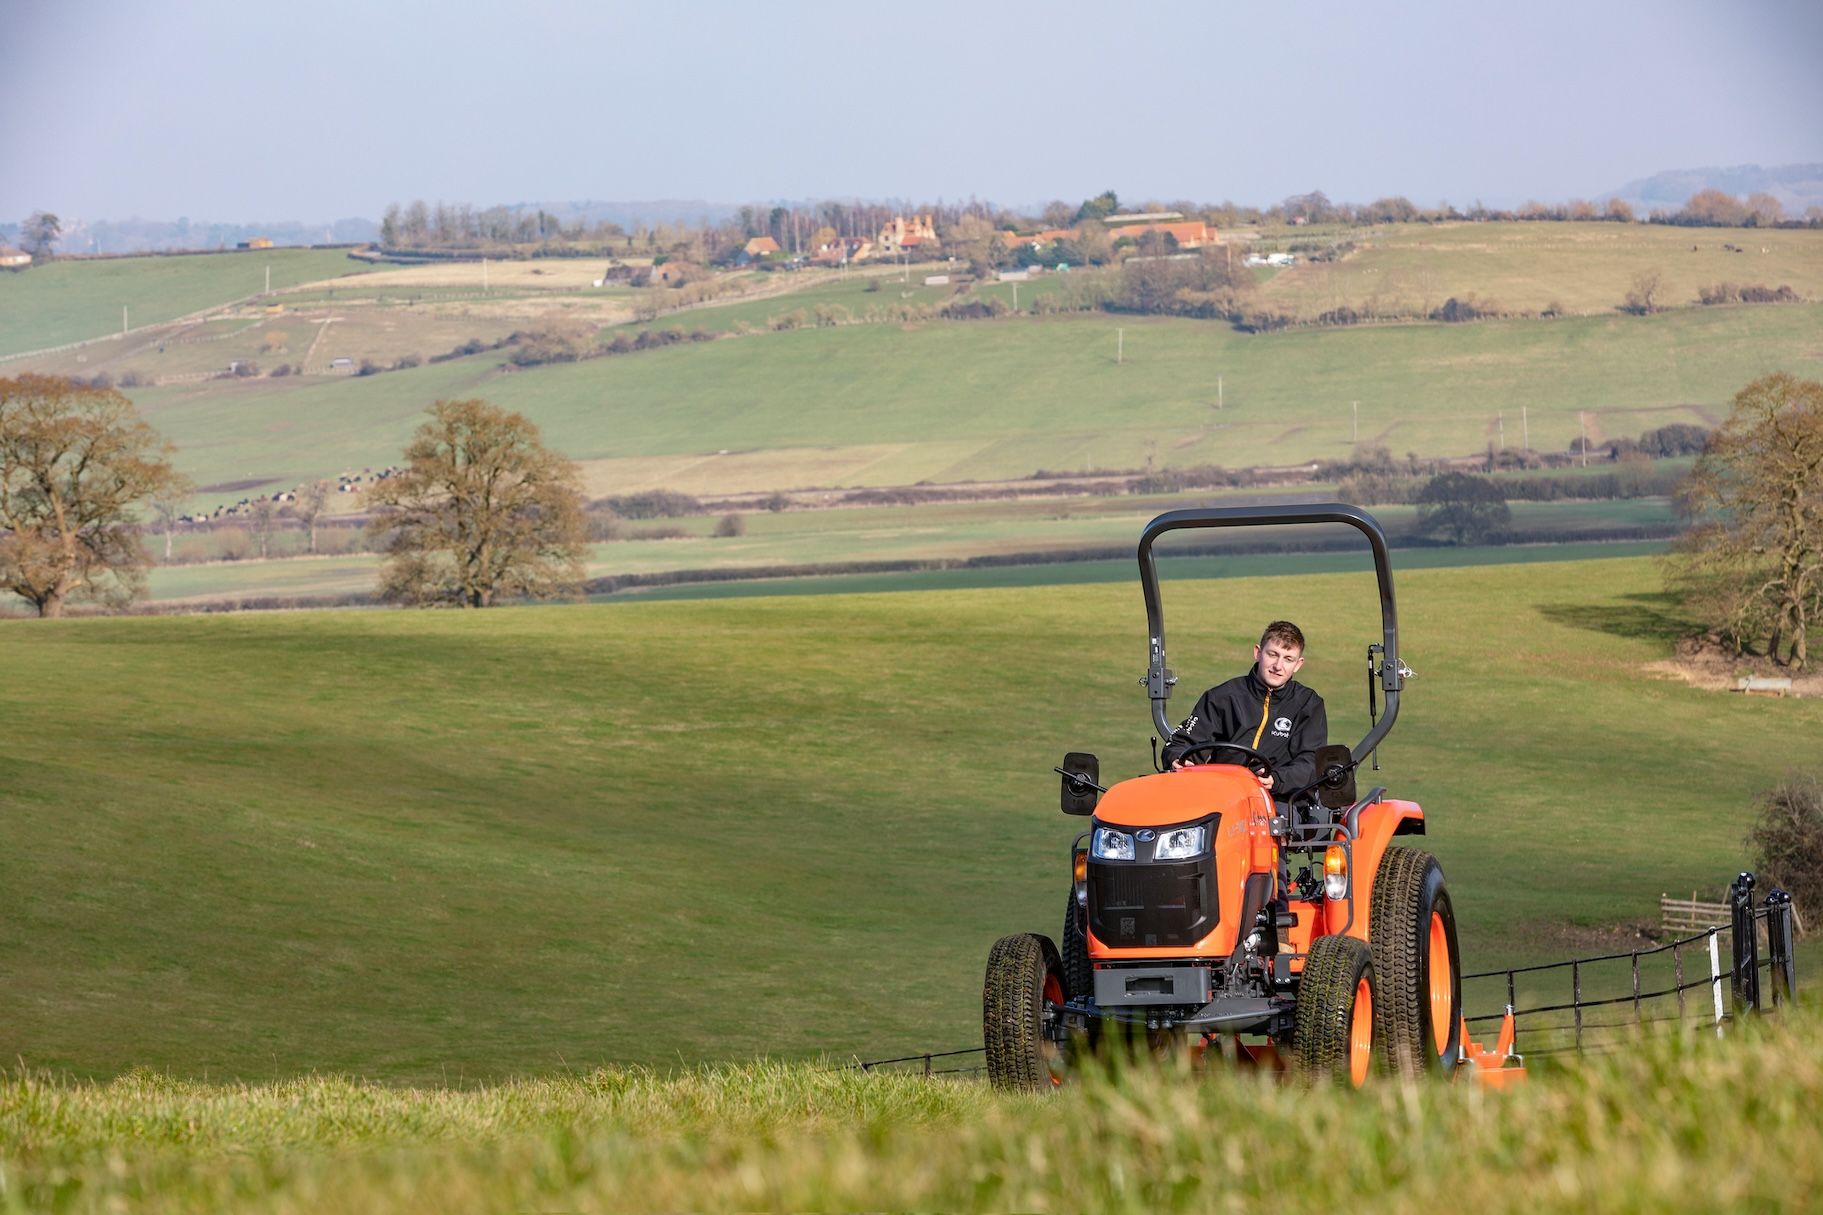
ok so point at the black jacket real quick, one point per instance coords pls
(1286, 725)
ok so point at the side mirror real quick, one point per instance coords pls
(1335, 777)
(1081, 773)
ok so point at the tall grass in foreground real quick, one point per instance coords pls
(1686, 1123)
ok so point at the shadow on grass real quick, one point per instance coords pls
(1647, 616)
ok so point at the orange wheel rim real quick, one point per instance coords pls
(1443, 1015)
(1361, 1034)
(1050, 1052)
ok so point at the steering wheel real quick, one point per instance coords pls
(1254, 762)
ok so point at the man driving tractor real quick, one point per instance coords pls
(1266, 710)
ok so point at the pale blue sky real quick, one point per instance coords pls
(315, 111)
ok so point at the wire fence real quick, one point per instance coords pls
(1592, 1005)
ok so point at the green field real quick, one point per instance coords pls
(69, 301)
(418, 845)
(1680, 1125)
(882, 405)
(1411, 269)
(934, 533)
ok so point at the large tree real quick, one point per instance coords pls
(1465, 508)
(1752, 562)
(75, 461)
(39, 233)
(481, 509)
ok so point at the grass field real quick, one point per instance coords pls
(68, 301)
(1410, 269)
(936, 532)
(418, 845)
(1695, 1125)
(881, 405)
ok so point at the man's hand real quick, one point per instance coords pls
(1265, 782)
(1178, 765)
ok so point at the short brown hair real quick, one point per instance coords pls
(1283, 631)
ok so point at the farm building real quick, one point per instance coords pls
(12, 259)
(901, 233)
(761, 246)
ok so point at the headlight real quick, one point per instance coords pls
(1111, 845)
(1178, 844)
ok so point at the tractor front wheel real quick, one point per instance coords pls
(1413, 927)
(1334, 1032)
(1024, 975)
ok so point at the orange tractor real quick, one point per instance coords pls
(1309, 932)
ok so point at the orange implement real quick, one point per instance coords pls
(1496, 1068)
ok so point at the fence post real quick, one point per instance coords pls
(1778, 945)
(1636, 1013)
(1677, 969)
(927, 1065)
(1715, 977)
(1576, 997)
(1511, 1005)
(1746, 959)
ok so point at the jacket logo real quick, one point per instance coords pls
(1282, 726)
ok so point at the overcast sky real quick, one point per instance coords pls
(249, 112)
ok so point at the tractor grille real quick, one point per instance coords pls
(1145, 905)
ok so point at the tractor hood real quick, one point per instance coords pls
(1167, 798)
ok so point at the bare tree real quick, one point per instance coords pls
(74, 462)
(1642, 297)
(168, 503)
(312, 498)
(1752, 564)
(262, 521)
(480, 509)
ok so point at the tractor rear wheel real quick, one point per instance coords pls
(1024, 974)
(1334, 1033)
(1412, 925)
(1078, 978)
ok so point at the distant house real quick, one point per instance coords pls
(13, 259)
(258, 242)
(907, 234)
(842, 249)
(1188, 233)
(1037, 242)
(761, 246)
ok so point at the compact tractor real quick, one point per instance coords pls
(1307, 933)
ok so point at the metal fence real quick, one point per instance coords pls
(1611, 997)
(1598, 1003)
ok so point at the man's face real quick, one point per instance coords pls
(1277, 662)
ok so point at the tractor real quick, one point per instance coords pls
(1310, 933)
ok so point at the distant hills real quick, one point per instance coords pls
(1797, 187)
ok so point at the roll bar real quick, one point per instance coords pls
(1159, 678)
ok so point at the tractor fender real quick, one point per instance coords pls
(1377, 825)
